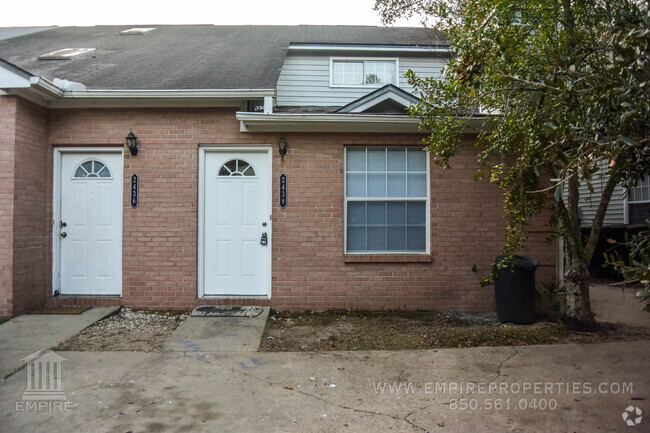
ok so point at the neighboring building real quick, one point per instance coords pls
(626, 215)
(276, 165)
(626, 207)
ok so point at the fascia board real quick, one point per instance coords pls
(293, 122)
(170, 93)
(372, 48)
(260, 122)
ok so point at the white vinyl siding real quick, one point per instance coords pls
(589, 201)
(305, 80)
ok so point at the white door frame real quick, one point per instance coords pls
(56, 206)
(203, 150)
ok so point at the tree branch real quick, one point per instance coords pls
(555, 185)
(597, 222)
(572, 224)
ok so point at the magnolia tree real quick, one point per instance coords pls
(566, 84)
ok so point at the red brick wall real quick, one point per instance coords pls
(7, 147)
(32, 220)
(24, 206)
(309, 268)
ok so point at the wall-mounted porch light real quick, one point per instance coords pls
(282, 147)
(132, 143)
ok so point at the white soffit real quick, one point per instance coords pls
(331, 122)
(338, 122)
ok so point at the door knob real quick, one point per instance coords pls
(63, 234)
(264, 240)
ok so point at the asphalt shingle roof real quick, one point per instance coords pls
(188, 57)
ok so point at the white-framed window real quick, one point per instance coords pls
(638, 202)
(359, 72)
(236, 167)
(90, 169)
(386, 200)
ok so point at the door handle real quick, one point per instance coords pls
(63, 234)
(264, 240)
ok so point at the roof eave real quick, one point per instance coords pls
(160, 98)
(437, 49)
(338, 122)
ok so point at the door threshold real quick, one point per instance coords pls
(62, 296)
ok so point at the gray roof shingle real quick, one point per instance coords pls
(188, 57)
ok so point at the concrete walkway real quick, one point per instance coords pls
(560, 388)
(28, 333)
(588, 387)
(616, 304)
(218, 334)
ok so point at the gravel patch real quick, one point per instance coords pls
(128, 330)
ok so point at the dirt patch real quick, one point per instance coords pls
(407, 330)
(128, 330)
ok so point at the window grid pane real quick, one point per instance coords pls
(379, 72)
(640, 192)
(363, 73)
(386, 200)
(92, 169)
(348, 73)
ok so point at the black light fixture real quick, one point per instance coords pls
(132, 143)
(282, 147)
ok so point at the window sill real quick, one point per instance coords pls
(387, 258)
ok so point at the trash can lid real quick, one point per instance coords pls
(519, 262)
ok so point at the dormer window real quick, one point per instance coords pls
(347, 72)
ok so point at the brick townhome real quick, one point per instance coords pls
(364, 221)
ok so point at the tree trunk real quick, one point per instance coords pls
(576, 280)
(576, 275)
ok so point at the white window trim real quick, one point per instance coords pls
(626, 205)
(427, 206)
(363, 59)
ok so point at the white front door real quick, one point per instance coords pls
(236, 224)
(89, 227)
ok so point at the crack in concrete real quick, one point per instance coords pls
(13, 372)
(508, 358)
(516, 352)
(321, 399)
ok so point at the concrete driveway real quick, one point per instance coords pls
(562, 388)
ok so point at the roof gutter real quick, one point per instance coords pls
(294, 122)
(338, 122)
(169, 93)
(441, 49)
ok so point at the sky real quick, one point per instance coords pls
(292, 12)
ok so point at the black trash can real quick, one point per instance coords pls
(514, 290)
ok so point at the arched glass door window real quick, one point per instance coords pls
(236, 167)
(92, 169)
